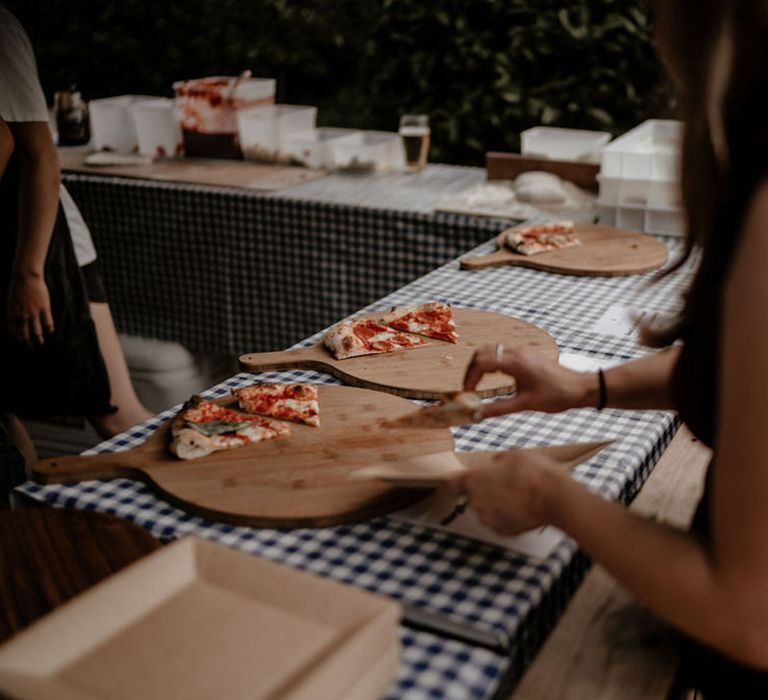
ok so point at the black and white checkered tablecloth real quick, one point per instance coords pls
(229, 270)
(476, 584)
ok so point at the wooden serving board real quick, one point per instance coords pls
(298, 481)
(426, 372)
(605, 252)
(197, 171)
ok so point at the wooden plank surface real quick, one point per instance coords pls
(605, 251)
(197, 171)
(50, 555)
(607, 646)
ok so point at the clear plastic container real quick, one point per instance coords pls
(264, 130)
(318, 148)
(112, 123)
(157, 128)
(563, 144)
(650, 151)
(378, 151)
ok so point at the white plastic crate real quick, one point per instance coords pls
(563, 144)
(670, 222)
(652, 193)
(650, 151)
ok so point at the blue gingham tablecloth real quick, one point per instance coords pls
(476, 584)
(225, 270)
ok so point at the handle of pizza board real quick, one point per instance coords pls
(566, 457)
(312, 357)
(480, 262)
(71, 468)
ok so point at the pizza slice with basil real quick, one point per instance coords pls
(202, 427)
(542, 238)
(434, 320)
(363, 336)
(292, 402)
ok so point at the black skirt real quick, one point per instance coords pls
(66, 375)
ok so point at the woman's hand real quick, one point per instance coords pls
(513, 493)
(541, 384)
(29, 309)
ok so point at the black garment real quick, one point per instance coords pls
(695, 393)
(67, 374)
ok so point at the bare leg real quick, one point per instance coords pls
(20, 437)
(130, 410)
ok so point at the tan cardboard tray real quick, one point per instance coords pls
(196, 620)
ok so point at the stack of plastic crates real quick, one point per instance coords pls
(640, 182)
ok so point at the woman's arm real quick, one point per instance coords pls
(716, 591)
(543, 385)
(29, 307)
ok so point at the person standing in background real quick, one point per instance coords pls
(44, 230)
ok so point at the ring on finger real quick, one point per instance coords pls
(499, 354)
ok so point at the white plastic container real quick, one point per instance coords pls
(378, 151)
(650, 151)
(112, 123)
(563, 144)
(318, 148)
(157, 128)
(264, 130)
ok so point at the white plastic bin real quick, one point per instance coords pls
(112, 124)
(157, 128)
(263, 130)
(669, 222)
(650, 151)
(318, 148)
(563, 144)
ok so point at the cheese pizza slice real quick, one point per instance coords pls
(363, 336)
(292, 402)
(435, 320)
(542, 238)
(457, 408)
(202, 427)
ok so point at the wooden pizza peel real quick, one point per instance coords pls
(301, 480)
(427, 372)
(605, 252)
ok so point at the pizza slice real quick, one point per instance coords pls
(542, 238)
(202, 427)
(293, 402)
(435, 320)
(458, 408)
(363, 336)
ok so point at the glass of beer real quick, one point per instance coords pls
(414, 130)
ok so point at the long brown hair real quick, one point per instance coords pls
(717, 51)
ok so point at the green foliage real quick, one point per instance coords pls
(482, 69)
